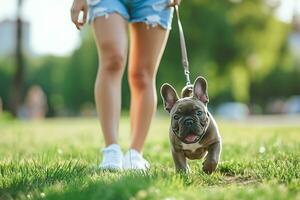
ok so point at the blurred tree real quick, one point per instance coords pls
(80, 75)
(232, 43)
(18, 80)
(6, 72)
(49, 73)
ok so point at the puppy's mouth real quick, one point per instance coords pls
(191, 138)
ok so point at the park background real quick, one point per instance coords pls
(248, 50)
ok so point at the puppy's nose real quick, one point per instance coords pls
(188, 122)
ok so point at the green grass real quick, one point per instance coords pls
(57, 159)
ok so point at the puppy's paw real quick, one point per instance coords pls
(209, 166)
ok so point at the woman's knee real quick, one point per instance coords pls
(112, 64)
(112, 59)
(140, 79)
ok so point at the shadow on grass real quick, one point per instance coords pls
(111, 186)
(131, 185)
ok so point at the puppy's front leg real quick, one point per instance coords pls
(180, 161)
(212, 158)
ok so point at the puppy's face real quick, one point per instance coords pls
(189, 115)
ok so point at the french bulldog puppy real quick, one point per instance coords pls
(193, 132)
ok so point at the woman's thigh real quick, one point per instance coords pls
(147, 46)
(111, 36)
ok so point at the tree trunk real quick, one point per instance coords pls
(18, 79)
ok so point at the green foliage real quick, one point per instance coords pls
(49, 73)
(237, 45)
(279, 83)
(80, 75)
(6, 71)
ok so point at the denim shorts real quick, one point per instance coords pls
(151, 12)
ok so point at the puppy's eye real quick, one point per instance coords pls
(176, 117)
(199, 113)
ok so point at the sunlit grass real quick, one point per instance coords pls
(58, 158)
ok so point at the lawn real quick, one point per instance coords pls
(57, 159)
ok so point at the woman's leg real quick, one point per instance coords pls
(111, 37)
(146, 49)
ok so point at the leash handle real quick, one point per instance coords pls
(185, 62)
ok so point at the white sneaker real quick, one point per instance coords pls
(133, 160)
(112, 158)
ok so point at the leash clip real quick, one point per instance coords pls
(187, 76)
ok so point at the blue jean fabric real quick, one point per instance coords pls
(151, 12)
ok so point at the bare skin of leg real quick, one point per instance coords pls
(111, 38)
(146, 49)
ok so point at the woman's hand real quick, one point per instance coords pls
(174, 3)
(77, 7)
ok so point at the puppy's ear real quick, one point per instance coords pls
(187, 91)
(169, 96)
(200, 90)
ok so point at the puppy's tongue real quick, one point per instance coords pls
(191, 138)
